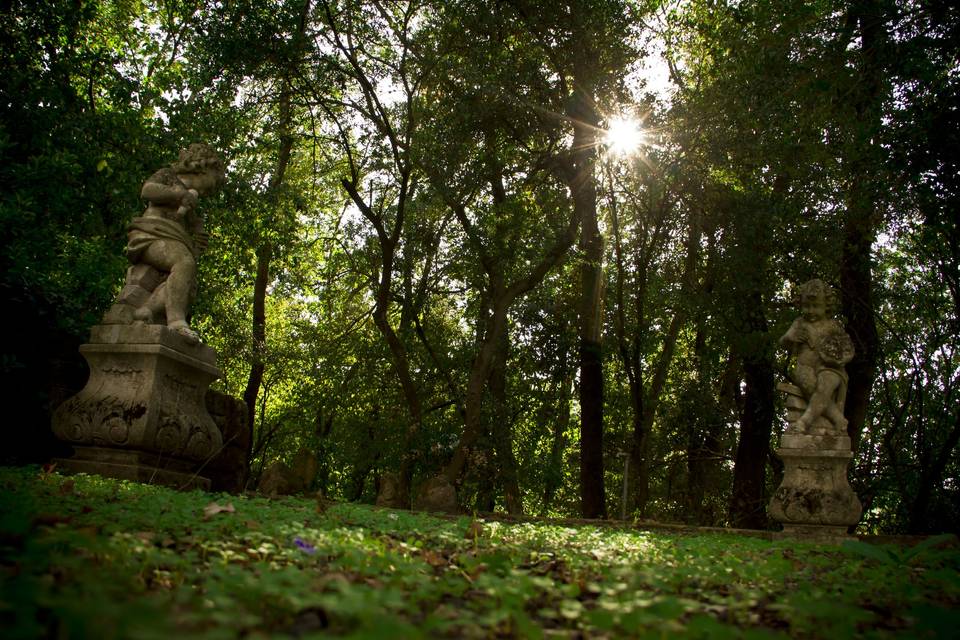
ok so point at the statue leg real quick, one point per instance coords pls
(835, 415)
(178, 262)
(156, 303)
(822, 403)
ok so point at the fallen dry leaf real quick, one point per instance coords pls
(434, 559)
(213, 509)
(474, 530)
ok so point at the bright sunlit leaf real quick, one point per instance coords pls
(624, 136)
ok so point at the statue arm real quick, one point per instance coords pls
(194, 224)
(793, 335)
(160, 193)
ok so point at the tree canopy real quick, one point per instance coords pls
(431, 260)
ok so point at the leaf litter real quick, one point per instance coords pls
(115, 559)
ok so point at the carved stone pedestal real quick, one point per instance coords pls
(142, 415)
(815, 500)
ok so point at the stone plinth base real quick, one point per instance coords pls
(133, 465)
(814, 533)
(815, 500)
(142, 414)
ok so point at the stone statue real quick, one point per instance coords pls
(822, 348)
(814, 500)
(164, 243)
(143, 413)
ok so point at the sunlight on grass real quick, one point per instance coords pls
(108, 559)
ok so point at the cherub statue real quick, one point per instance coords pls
(169, 236)
(822, 349)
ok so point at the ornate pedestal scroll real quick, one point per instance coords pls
(815, 500)
(142, 414)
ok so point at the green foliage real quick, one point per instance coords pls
(757, 155)
(90, 555)
(68, 114)
(898, 556)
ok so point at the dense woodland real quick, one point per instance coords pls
(428, 259)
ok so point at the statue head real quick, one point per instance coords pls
(200, 168)
(817, 300)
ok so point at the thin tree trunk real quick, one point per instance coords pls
(473, 401)
(264, 251)
(401, 363)
(258, 366)
(561, 422)
(749, 500)
(584, 192)
(645, 401)
(703, 448)
(502, 296)
(502, 430)
(931, 477)
(862, 216)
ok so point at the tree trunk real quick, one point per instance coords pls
(561, 421)
(264, 251)
(584, 192)
(703, 448)
(646, 400)
(502, 430)
(862, 216)
(401, 364)
(749, 497)
(257, 365)
(473, 402)
(501, 297)
(931, 477)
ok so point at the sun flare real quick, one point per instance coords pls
(624, 136)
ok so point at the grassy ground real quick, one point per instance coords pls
(86, 557)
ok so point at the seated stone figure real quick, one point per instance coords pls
(822, 348)
(164, 242)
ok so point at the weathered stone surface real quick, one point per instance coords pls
(304, 468)
(388, 493)
(142, 413)
(814, 491)
(276, 480)
(142, 280)
(815, 399)
(437, 495)
(139, 466)
(144, 396)
(815, 500)
(279, 479)
(228, 471)
(815, 442)
(165, 241)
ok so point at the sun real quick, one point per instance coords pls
(623, 136)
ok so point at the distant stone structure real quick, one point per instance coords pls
(815, 499)
(389, 492)
(229, 470)
(142, 414)
(279, 479)
(437, 495)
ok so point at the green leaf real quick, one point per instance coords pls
(873, 552)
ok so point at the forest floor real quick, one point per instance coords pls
(87, 557)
